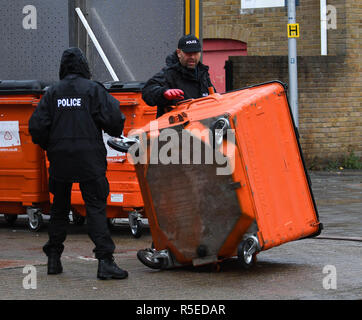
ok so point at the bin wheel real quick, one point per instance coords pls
(10, 218)
(111, 222)
(216, 267)
(137, 229)
(77, 219)
(247, 253)
(147, 257)
(35, 222)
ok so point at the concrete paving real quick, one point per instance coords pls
(328, 267)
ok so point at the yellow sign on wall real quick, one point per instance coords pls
(293, 30)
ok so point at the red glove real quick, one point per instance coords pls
(172, 94)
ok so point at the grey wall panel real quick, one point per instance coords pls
(136, 36)
(32, 53)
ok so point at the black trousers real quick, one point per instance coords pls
(95, 195)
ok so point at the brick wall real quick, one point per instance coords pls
(264, 30)
(330, 86)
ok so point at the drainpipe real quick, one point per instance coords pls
(323, 8)
(292, 65)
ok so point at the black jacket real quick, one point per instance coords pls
(194, 83)
(69, 119)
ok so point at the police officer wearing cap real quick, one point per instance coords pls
(68, 124)
(184, 77)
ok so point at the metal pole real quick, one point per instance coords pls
(96, 43)
(292, 63)
(323, 7)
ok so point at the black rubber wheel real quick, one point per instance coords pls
(111, 223)
(137, 229)
(77, 219)
(146, 257)
(36, 224)
(245, 258)
(10, 218)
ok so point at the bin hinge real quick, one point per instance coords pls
(180, 117)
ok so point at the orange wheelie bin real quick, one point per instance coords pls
(223, 176)
(125, 198)
(23, 178)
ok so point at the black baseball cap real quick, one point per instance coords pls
(189, 43)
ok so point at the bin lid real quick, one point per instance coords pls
(119, 86)
(21, 86)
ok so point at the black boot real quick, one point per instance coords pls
(107, 269)
(54, 264)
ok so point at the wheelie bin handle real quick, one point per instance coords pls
(212, 96)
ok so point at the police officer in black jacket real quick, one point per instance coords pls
(68, 123)
(184, 77)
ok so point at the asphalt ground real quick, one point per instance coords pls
(328, 267)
